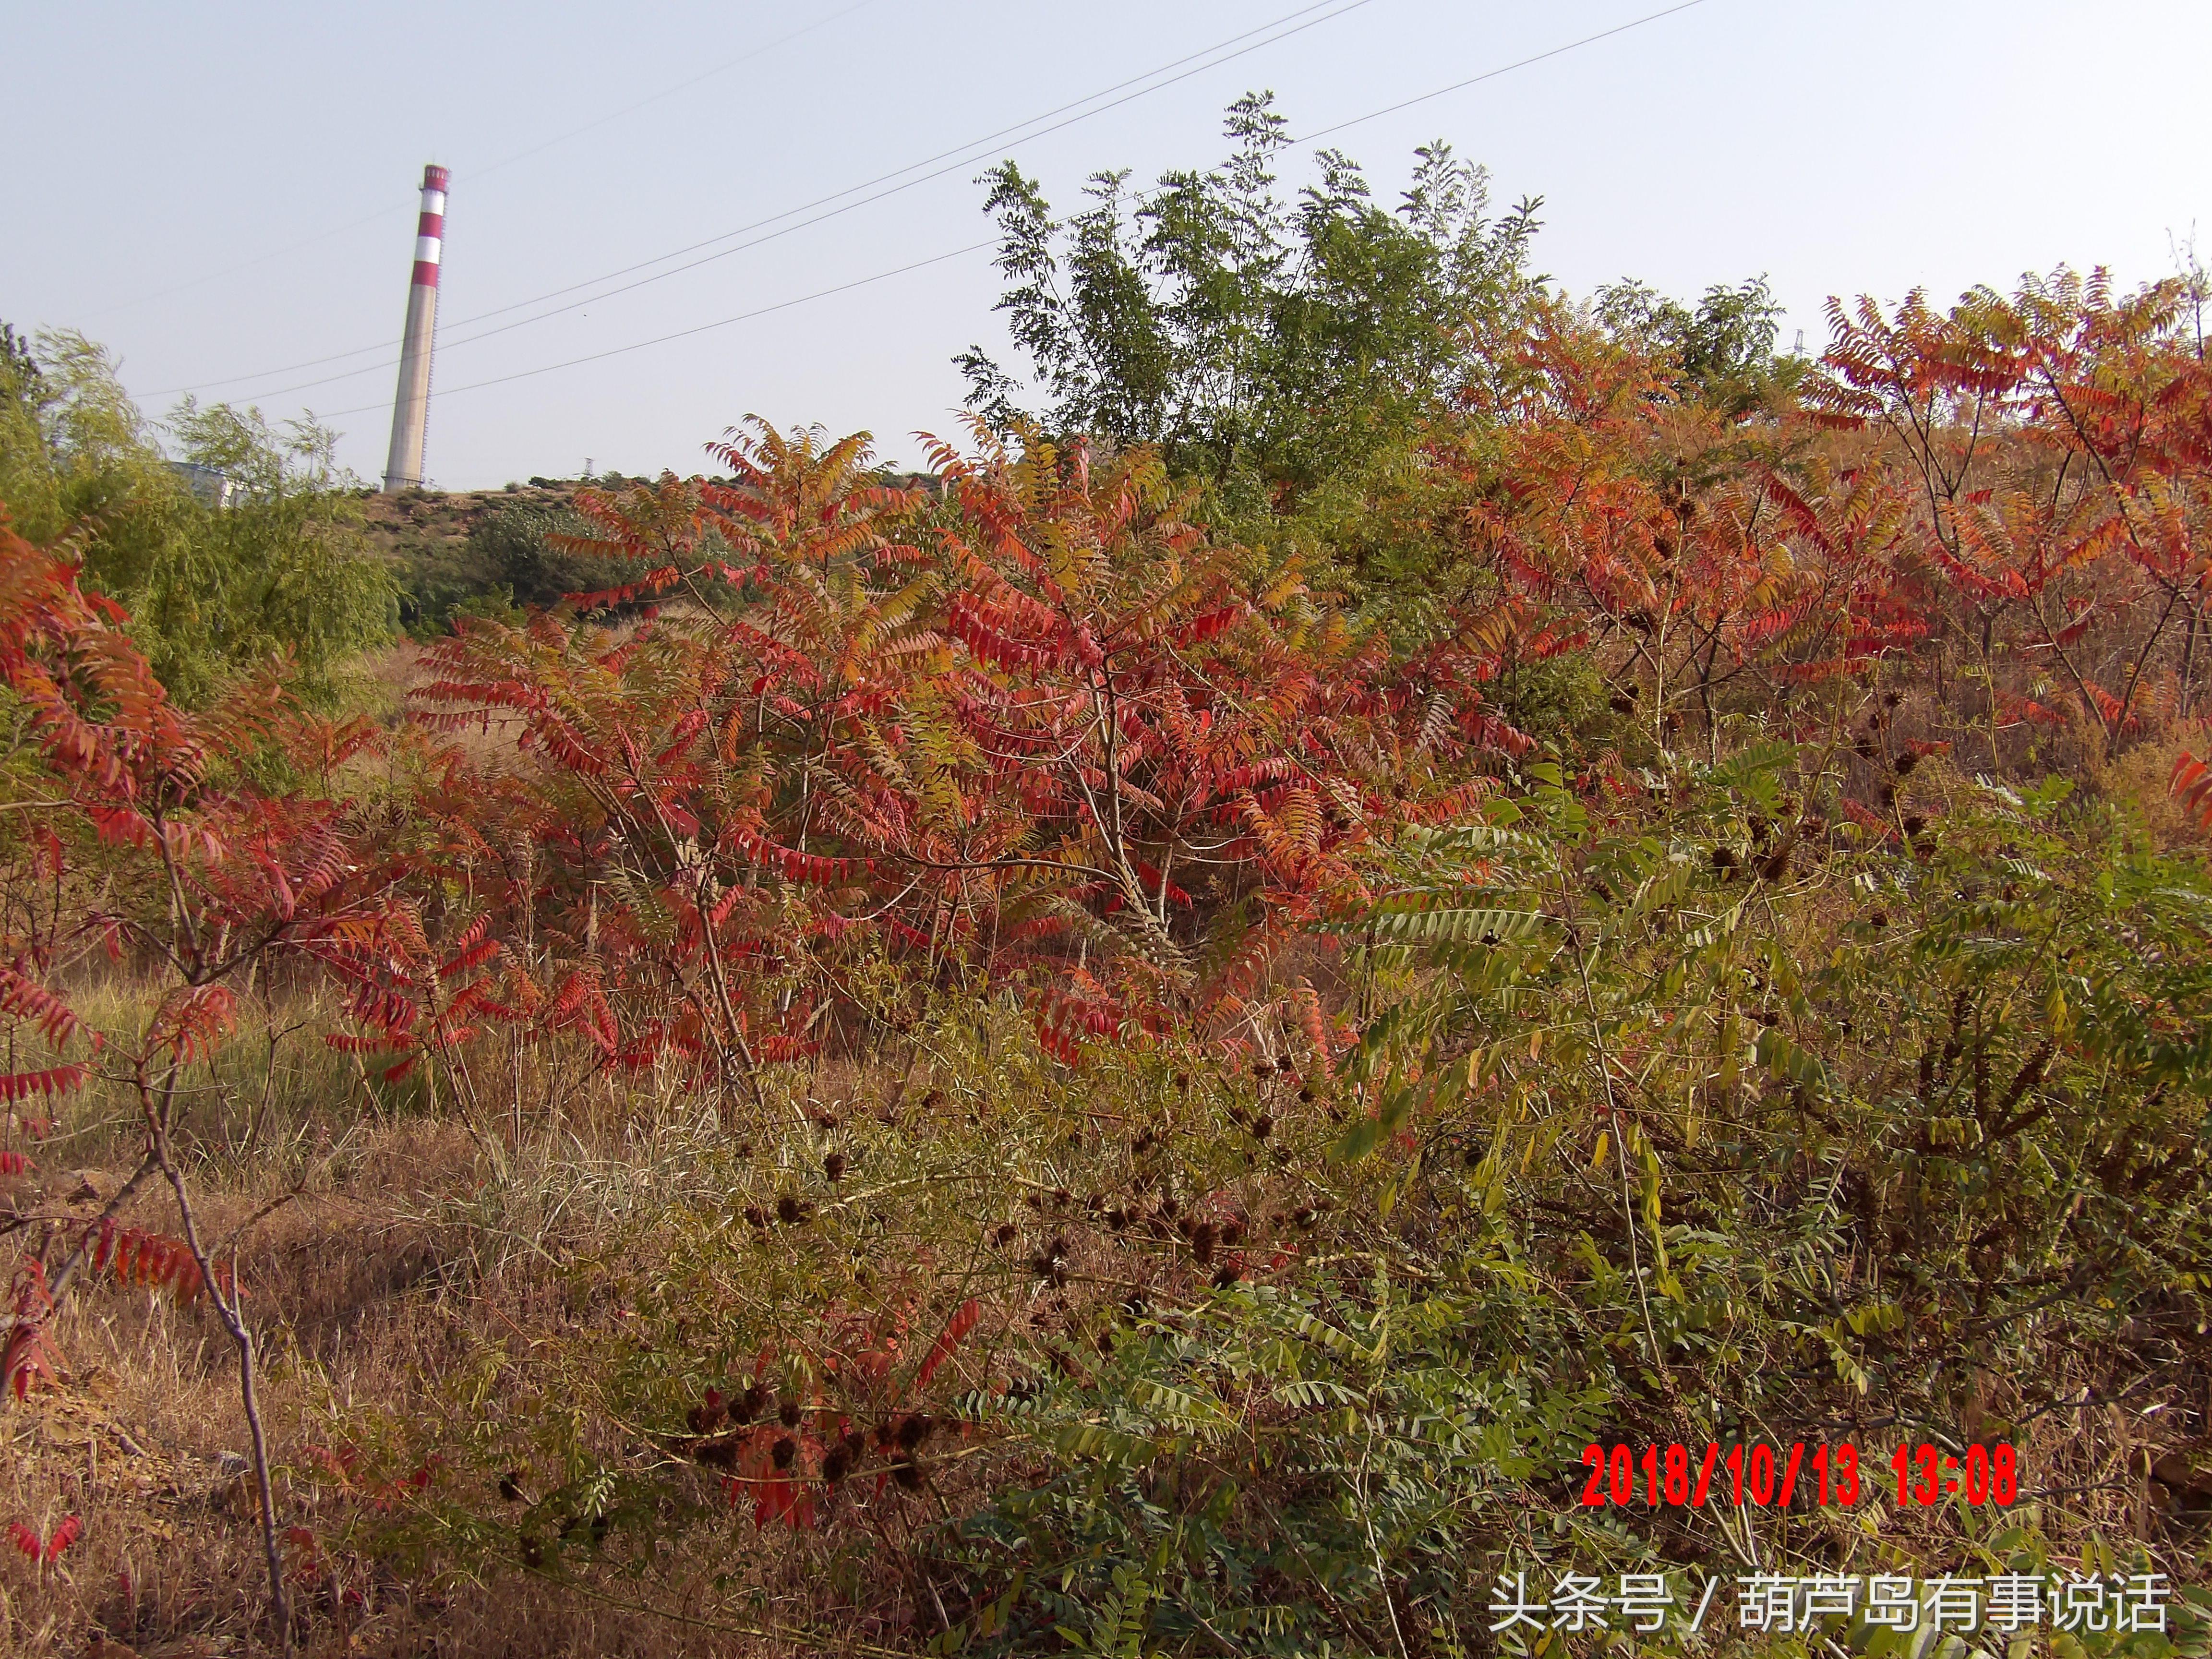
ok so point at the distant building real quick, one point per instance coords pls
(217, 487)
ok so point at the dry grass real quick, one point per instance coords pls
(144, 1440)
(377, 1248)
(386, 1254)
(2141, 776)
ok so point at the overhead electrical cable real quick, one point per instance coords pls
(391, 212)
(701, 328)
(963, 154)
(940, 258)
(1491, 74)
(408, 207)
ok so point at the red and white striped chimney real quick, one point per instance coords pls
(411, 409)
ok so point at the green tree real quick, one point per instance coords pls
(1724, 346)
(526, 546)
(215, 587)
(1268, 347)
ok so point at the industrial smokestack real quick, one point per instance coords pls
(410, 409)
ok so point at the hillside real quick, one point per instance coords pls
(446, 551)
(1404, 966)
(424, 536)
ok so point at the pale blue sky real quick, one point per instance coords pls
(1839, 146)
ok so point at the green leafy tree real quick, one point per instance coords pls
(18, 368)
(523, 545)
(1722, 347)
(273, 563)
(1264, 345)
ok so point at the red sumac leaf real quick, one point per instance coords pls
(956, 1331)
(63, 1536)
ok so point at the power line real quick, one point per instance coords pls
(1491, 74)
(964, 154)
(409, 207)
(701, 328)
(247, 265)
(863, 281)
